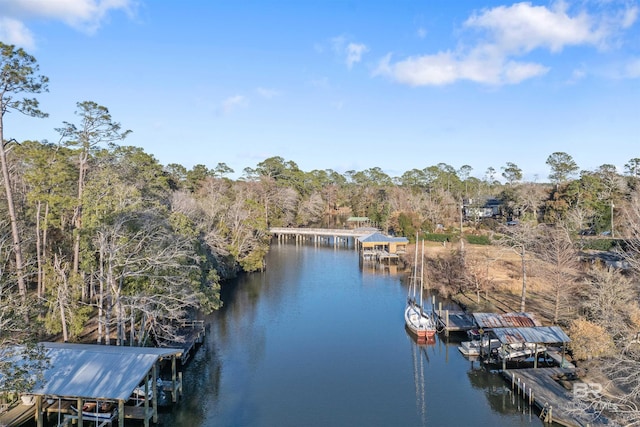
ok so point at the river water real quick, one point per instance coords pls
(319, 340)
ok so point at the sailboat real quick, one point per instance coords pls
(417, 320)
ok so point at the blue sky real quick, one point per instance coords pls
(343, 85)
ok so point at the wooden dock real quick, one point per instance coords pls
(17, 415)
(380, 256)
(555, 402)
(191, 335)
(454, 320)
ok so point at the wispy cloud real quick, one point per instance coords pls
(505, 35)
(267, 93)
(632, 69)
(233, 103)
(351, 52)
(84, 15)
(577, 75)
(355, 52)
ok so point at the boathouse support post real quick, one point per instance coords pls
(39, 411)
(535, 355)
(146, 400)
(446, 313)
(121, 412)
(154, 393)
(174, 384)
(504, 359)
(80, 405)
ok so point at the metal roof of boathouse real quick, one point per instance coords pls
(505, 320)
(539, 334)
(381, 238)
(97, 371)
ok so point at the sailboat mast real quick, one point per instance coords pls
(412, 286)
(421, 274)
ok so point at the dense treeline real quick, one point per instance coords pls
(106, 230)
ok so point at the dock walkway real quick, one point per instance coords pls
(17, 415)
(191, 335)
(454, 320)
(556, 403)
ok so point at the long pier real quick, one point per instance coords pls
(335, 237)
(556, 403)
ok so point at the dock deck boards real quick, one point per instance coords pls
(454, 320)
(548, 392)
(17, 415)
(192, 334)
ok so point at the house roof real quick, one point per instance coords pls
(540, 334)
(97, 371)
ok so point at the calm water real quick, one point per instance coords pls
(318, 340)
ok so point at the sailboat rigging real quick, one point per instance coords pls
(417, 320)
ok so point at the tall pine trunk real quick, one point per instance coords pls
(15, 233)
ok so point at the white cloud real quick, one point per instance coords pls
(422, 33)
(506, 34)
(351, 52)
(520, 28)
(437, 69)
(233, 103)
(84, 15)
(516, 72)
(630, 17)
(14, 32)
(445, 68)
(355, 52)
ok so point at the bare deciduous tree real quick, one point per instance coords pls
(145, 269)
(609, 299)
(520, 239)
(555, 249)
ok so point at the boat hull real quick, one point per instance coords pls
(477, 347)
(418, 322)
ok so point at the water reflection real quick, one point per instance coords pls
(319, 339)
(420, 359)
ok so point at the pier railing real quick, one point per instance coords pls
(328, 232)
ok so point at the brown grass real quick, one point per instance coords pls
(504, 269)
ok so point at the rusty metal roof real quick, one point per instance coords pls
(540, 334)
(505, 320)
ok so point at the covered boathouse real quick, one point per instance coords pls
(81, 374)
(379, 247)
